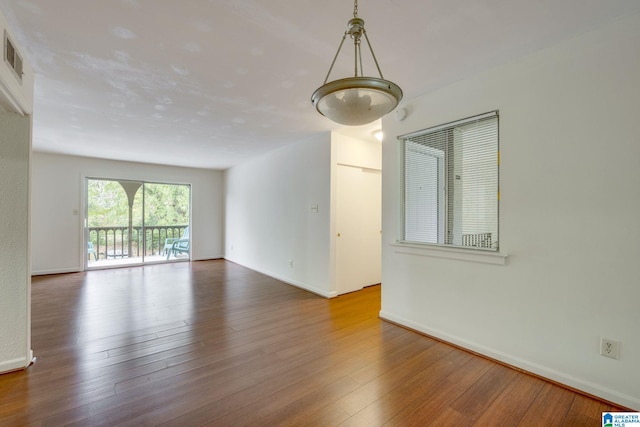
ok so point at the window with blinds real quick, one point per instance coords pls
(450, 191)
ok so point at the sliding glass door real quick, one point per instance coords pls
(135, 222)
(166, 221)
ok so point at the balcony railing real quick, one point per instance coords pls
(115, 242)
(478, 240)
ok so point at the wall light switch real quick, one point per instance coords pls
(76, 212)
(314, 208)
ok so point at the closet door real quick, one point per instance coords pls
(359, 222)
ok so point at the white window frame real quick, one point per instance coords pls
(441, 249)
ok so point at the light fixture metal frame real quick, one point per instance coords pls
(356, 30)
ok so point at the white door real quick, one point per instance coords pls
(359, 222)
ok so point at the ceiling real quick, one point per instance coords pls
(209, 84)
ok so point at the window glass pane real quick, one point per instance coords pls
(451, 184)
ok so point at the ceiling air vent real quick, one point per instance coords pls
(12, 57)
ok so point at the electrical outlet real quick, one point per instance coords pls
(291, 263)
(608, 348)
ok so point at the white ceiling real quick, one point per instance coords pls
(211, 83)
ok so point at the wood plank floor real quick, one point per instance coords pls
(213, 343)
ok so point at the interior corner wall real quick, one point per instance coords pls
(57, 190)
(569, 210)
(356, 152)
(15, 147)
(272, 225)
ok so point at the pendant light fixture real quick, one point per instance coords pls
(357, 100)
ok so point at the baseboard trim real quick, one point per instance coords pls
(56, 271)
(17, 364)
(208, 258)
(584, 387)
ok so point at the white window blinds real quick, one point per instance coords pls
(451, 184)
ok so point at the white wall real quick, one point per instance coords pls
(569, 218)
(15, 146)
(269, 220)
(57, 189)
(15, 151)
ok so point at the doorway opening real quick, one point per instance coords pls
(136, 222)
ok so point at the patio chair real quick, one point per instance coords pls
(175, 246)
(91, 250)
(168, 243)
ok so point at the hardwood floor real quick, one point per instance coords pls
(214, 343)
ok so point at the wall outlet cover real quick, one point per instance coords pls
(609, 347)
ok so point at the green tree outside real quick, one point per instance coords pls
(108, 205)
(165, 204)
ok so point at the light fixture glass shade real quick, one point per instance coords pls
(356, 101)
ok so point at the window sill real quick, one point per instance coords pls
(469, 255)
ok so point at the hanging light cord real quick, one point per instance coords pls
(355, 30)
(334, 58)
(372, 54)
